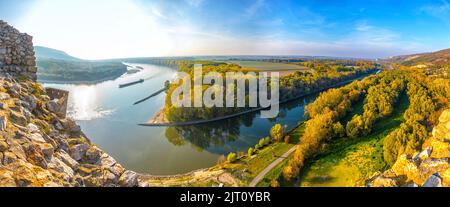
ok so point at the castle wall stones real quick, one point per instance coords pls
(60, 99)
(16, 53)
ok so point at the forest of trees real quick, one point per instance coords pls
(323, 124)
(79, 71)
(322, 76)
(427, 97)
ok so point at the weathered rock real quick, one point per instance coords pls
(32, 128)
(446, 177)
(23, 175)
(433, 181)
(53, 106)
(128, 179)
(32, 100)
(382, 181)
(424, 154)
(440, 149)
(93, 154)
(109, 179)
(3, 123)
(61, 167)
(35, 155)
(3, 106)
(110, 164)
(36, 137)
(71, 126)
(47, 150)
(68, 160)
(440, 132)
(3, 146)
(413, 185)
(107, 161)
(89, 170)
(406, 166)
(18, 118)
(117, 169)
(77, 152)
(445, 116)
(4, 96)
(6, 178)
(9, 158)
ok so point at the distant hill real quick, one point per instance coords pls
(49, 53)
(57, 66)
(439, 58)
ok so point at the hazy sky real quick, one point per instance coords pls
(98, 29)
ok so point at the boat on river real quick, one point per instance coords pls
(131, 83)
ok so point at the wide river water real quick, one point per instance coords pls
(108, 117)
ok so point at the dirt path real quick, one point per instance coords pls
(263, 173)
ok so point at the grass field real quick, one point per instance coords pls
(255, 164)
(275, 173)
(350, 162)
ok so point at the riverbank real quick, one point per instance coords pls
(87, 82)
(160, 120)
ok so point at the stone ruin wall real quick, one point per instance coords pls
(17, 56)
(62, 98)
(17, 59)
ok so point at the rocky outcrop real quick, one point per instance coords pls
(16, 53)
(429, 168)
(39, 146)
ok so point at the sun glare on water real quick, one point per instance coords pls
(85, 104)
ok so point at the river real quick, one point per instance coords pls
(108, 117)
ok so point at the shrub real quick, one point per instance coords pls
(274, 183)
(232, 157)
(262, 142)
(251, 151)
(267, 141)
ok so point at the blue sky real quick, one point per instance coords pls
(99, 29)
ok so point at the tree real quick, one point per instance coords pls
(251, 151)
(232, 157)
(267, 141)
(287, 139)
(338, 129)
(277, 132)
(275, 184)
(167, 84)
(355, 126)
(289, 173)
(262, 142)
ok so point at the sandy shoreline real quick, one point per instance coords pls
(158, 117)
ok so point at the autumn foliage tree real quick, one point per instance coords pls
(277, 133)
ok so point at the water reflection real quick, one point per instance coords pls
(216, 136)
(84, 103)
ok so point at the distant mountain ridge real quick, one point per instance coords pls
(49, 53)
(59, 67)
(438, 58)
